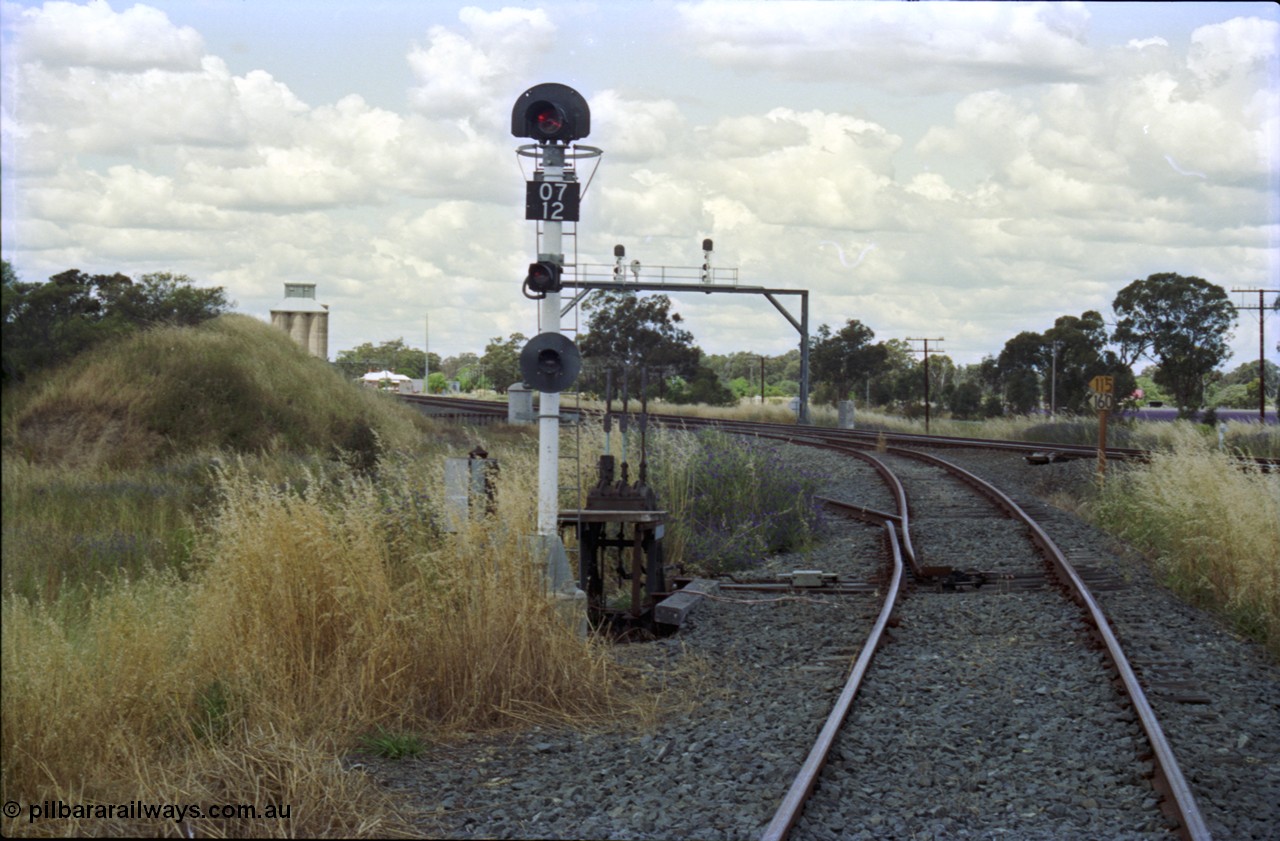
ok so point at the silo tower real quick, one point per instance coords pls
(303, 318)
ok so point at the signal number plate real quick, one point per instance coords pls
(551, 201)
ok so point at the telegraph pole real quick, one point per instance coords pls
(926, 376)
(1262, 348)
(1053, 388)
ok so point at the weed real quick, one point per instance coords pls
(212, 718)
(731, 500)
(392, 745)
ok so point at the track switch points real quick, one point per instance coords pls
(809, 577)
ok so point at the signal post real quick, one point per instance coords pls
(553, 115)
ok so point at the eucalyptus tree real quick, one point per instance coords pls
(1182, 323)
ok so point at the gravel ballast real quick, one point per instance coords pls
(772, 668)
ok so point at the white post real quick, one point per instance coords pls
(549, 403)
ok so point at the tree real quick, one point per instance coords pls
(501, 360)
(781, 373)
(1183, 323)
(453, 366)
(1238, 389)
(46, 324)
(897, 378)
(1082, 354)
(703, 387)
(840, 361)
(626, 333)
(965, 400)
(1021, 365)
(394, 356)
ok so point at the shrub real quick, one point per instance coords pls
(732, 499)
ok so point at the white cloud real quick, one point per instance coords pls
(463, 74)
(944, 46)
(92, 35)
(1143, 43)
(639, 130)
(1239, 45)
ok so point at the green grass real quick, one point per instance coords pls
(393, 745)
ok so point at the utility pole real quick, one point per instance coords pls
(1262, 348)
(926, 376)
(1053, 388)
(761, 382)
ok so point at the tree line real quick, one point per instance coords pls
(1181, 325)
(48, 323)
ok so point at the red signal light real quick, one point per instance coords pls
(551, 113)
(543, 277)
(547, 119)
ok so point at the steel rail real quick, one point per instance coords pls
(1169, 778)
(793, 803)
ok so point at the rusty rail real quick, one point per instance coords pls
(1179, 800)
(793, 803)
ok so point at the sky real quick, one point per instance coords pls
(964, 171)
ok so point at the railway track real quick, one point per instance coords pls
(992, 710)
(488, 411)
(988, 696)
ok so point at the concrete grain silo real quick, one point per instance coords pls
(303, 318)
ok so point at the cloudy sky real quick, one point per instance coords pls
(962, 170)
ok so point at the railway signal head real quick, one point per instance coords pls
(543, 277)
(550, 362)
(551, 113)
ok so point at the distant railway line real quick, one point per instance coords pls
(488, 411)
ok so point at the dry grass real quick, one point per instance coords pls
(309, 615)
(223, 570)
(1212, 529)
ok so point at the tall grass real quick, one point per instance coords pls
(1211, 528)
(311, 615)
(731, 500)
(199, 609)
(1247, 438)
(93, 526)
(1250, 439)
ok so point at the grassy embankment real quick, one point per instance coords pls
(223, 569)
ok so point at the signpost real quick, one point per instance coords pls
(1103, 388)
